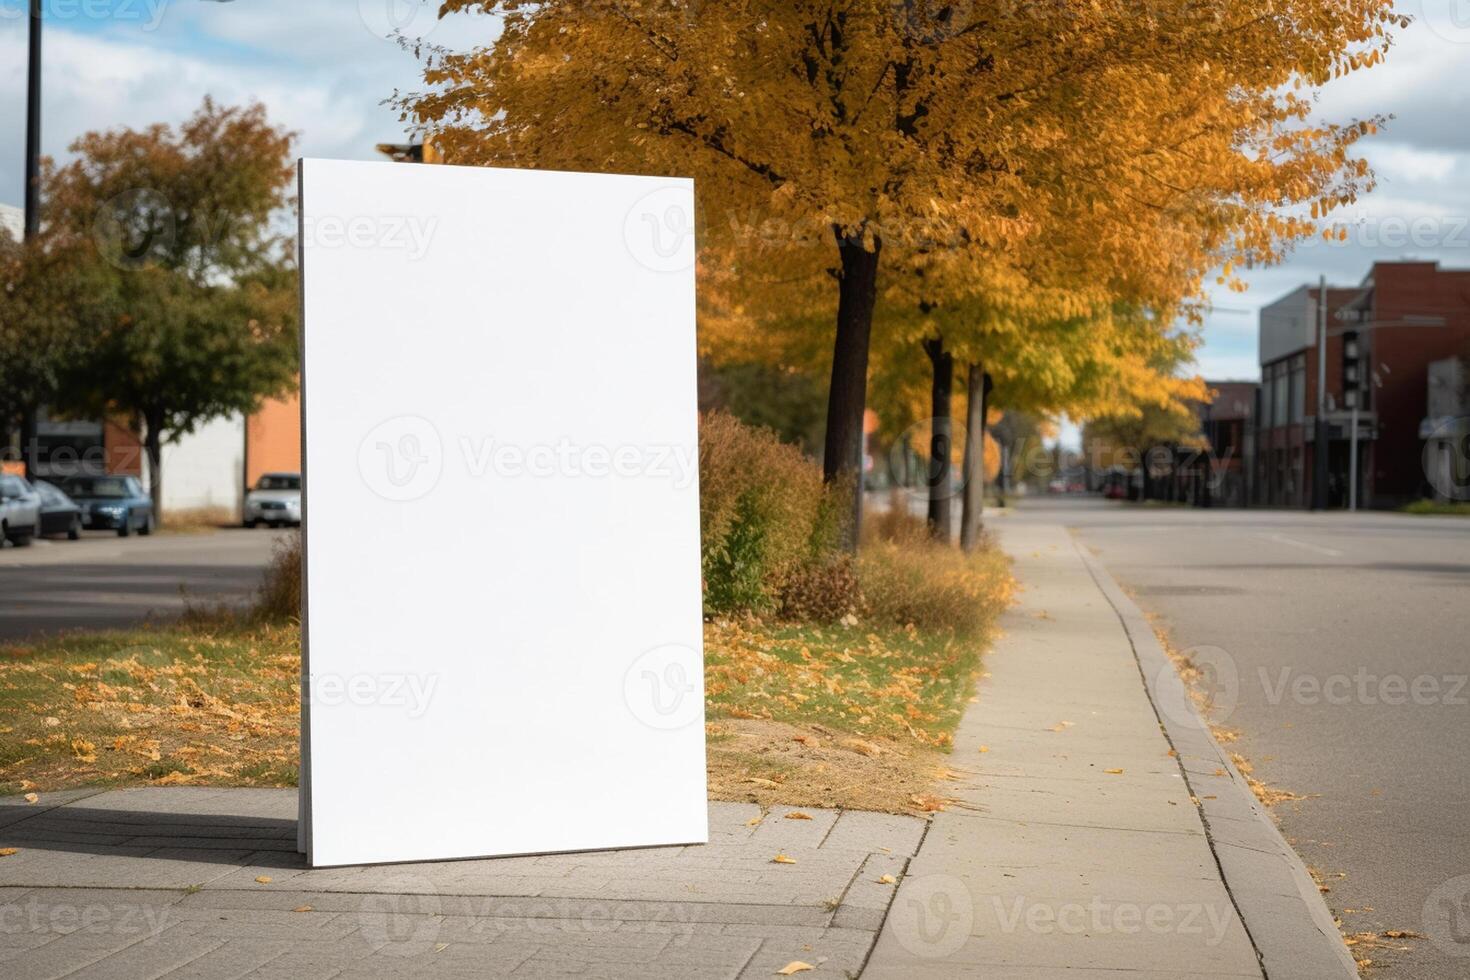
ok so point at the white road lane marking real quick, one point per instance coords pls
(1283, 539)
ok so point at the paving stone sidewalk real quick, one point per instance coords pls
(163, 882)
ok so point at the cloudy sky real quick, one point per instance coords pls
(323, 68)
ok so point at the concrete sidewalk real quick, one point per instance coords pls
(1088, 850)
(1101, 832)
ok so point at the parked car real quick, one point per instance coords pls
(276, 500)
(59, 513)
(112, 503)
(20, 510)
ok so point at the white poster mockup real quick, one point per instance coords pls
(501, 625)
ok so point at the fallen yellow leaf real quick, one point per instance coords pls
(783, 859)
(753, 821)
(303, 908)
(795, 966)
(887, 880)
(263, 879)
(31, 797)
(1113, 772)
(5, 852)
(984, 748)
(798, 815)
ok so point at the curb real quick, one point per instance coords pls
(1289, 924)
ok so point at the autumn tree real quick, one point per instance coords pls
(884, 126)
(201, 314)
(46, 293)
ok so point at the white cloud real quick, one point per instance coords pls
(1399, 162)
(321, 69)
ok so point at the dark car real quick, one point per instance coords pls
(112, 503)
(59, 513)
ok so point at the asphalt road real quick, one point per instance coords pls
(1338, 646)
(106, 581)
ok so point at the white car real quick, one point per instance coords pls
(20, 511)
(276, 500)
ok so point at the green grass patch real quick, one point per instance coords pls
(1442, 508)
(210, 702)
(892, 682)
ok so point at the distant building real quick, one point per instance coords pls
(1382, 337)
(1445, 427)
(206, 471)
(13, 220)
(1227, 423)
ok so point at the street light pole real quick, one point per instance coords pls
(32, 201)
(1319, 447)
(1353, 463)
(33, 127)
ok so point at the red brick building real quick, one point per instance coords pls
(1381, 338)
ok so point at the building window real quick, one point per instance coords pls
(1280, 395)
(1298, 389)
(1265, 415)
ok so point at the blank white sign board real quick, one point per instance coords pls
(501, 626)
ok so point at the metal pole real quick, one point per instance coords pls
(1319, 447)
(1353, 463)
(33, 127)
(32, 200)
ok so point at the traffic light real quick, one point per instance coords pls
(1354, 372)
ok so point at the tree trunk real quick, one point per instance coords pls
(941, 440)
(842, 457)
(972, 520)
(153, 447)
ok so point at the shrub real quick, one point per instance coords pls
(897, 523)
(764, 512)
(279, 597)
(821, 591)
(908, 579)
